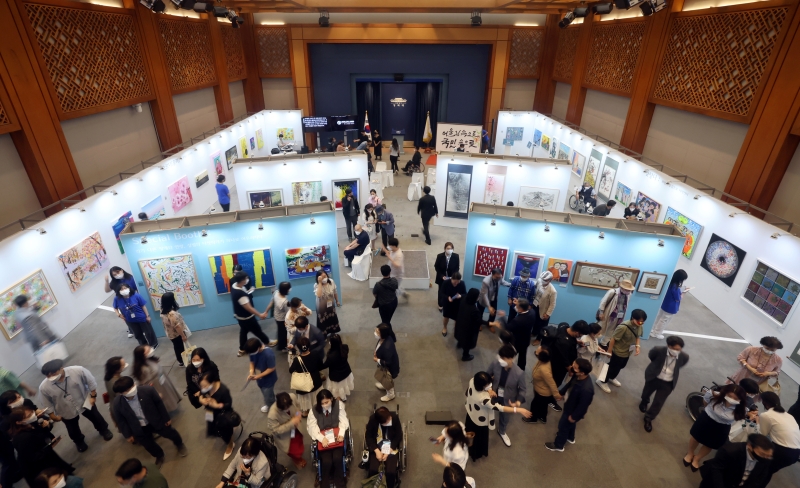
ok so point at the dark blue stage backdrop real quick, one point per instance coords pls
(399, 107)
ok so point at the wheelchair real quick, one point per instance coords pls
(402, 452)
(347, 459)
(577, 203)
(695, 403)
(280, 477)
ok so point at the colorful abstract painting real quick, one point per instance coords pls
(306, 191)
(285, 133)
(495, 184)
(525, 260)
(772, 292)
(230, 156)
(563, 151)
(304, 262)
(259, 138)
(648, 207)
(339, 188)
(180, 194)
(545, 142)
(488, 257)
(243, 150)
(257, 265)
(578, 163)
(593, 167)
(560, 268)
(216, 161)
(514, 133)
(723, 259)
(252, 143)
(537, 137)
(40, 297)
(265, 198)
(119, 225)
(83, 261)
(176, 274)
(687, 227)
(623, 194)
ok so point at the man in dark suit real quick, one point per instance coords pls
(580, 397)
(312, 333)
(522, 326)
(661, 376)
(350, 209)
(427, 209)
(140, 413)
(445, 265)
(739, 464)
(384, 428)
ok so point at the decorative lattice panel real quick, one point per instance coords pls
(93, 58)
(189, 58)
(715, 62)
(234, 55)
(273, 52)
(4, 120)
(526, 49)
(565, 53)
(612, 57)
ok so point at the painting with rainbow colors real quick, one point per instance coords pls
(257, 265)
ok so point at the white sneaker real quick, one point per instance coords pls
(264, 409)
(506, 440)
(615, 382)
(379, 386)
(658, 336)
(130, 335)
(388, 397)
(603, 386)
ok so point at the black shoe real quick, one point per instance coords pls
(556, 407)
(552, 447)
(643, 407)
(159, 461)
(383, 253)
(468, 357)
(428, 242)
(530, 420)
(107, 435)
(648, 426)
(82, 447)
(571, 441)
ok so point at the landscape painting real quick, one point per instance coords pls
(602, 276)
(538, 198)
(265, 198)
(537, 137)
(84, 261)
(459, 183)
(563, 151)
(176, 274)
(154, 209)
(623, 194)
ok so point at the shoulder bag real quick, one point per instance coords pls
(775, 387)
(302, 381)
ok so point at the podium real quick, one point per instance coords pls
(400, 135)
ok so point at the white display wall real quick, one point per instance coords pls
(280, 172)
(28, 251)
(750, 234)
(519, 172)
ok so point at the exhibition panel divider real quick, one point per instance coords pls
(61, 261)
(463, 178)
(583, 264)
(302, 178)
(742, 268)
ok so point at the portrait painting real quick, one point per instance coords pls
(216, 161)
(648, 207)
(560, 269)
(528, 261)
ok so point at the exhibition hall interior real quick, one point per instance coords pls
(384, 243)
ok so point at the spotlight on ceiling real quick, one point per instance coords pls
(184, 4)
(581, 11)
(649, 7)
(154, 5)
(475, 20)
(202, 7)
(236, 21)
(626, 4)
(324, 18)
(219, 12)
(603, 8)
(567, 20)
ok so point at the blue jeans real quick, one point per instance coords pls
(566, 430)
(269, 395)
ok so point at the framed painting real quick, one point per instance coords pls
(687, 227)
(243, 148)
(593, 168)
(265, 198)
(488, 257)
(216, 162)
(257, 265)
(545, 142)
(605, 185)
(602, 276)
(230, 156)
(723, 259)
(174, 273)
(40, 297)
(119, 225)
(537, 137)
(578, 163)
(623, 194)
(259, 138)
(652, 283)
(201, 178)
(252, 143)
(304, 262)
(560, 268)
(772, 293)
(459, 186)
(538, 198)
(154, 209)
(83, 261)
(285, 133)
(526, 260)
(339, 188)
(563, 151)
(180, 194)
(514, 133)
(553, 148)
(495, 184)
(648, 207)
(306, 191)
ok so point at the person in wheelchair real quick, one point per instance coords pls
(587, 192)
(384, 437)
(415, 164)
(248, 469)
(329, 414)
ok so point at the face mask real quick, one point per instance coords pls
(61, 483)
(16, 404)
(388, 424)
(124, 368)
(767, 351)
(247, 461)
(358, 233)
(131, 393)
(31, 419)
(391, 248)
(751, 395)
(119, 276)
(756, 456)
(523, 278)
(206, 389)
(377, 336)
(448, 251)
(54, 378)
(673, 352)
(731, 401)
(125, 292)
(502, 362)
(150, 353)
(197, 364)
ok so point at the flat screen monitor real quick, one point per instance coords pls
(342, 122)
(315, 124)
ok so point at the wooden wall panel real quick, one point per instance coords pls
(189, 58)
(565, 53)
(713, 63)
(234, 54)
(526, 52)
(615, 48)
(93, 57)
(273, 52)
(4, 118)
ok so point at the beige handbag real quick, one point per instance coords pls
(302, 381)
(384, 377)
(775, 387)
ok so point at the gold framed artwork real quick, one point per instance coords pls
(602, 276)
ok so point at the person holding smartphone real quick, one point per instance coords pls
(453, 290)
(34, 443)
(671, 303)
(327, 301)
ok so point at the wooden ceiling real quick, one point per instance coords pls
(403, 6)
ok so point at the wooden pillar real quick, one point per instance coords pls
(222, 91)
(498, 74)
(40, 141)
(577, 94)
(546, 85)
(769, 145)
(640, 110)
(301, 78)
(253, 91)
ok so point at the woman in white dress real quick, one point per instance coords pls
(368, 223)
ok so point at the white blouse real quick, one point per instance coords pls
(457, 453)
(780, 427)
(479, 406)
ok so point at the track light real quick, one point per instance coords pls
(154, 5)
(661, 243)
(312, 221)
(219, 12)
(184, 4)
(697, 197)
(236, 21)
(201, 7)
(203, 233)
(546, 228)
(567, 20)
(144, 240)
(603, 8)
(494, 222)
(602, 235)
(475, 20)
(260, 226)
(40, 230)
(213, 209)
(581, 11)
(113, 192)
(324, 18)
(733, 214)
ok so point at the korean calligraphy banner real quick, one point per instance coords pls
(449, 137)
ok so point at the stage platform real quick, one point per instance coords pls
(416, 275)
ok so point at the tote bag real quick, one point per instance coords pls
(302, 381)
(384, 377)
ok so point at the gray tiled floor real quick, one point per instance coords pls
(613, 450)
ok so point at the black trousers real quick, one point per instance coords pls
(393, 159)
(281, 334)
(425, 229)
(350, 222)
(522, 349)
(540, 323)
(144, 333)
(177, 345)
(225, 206)
(146, 439)
(391, 468)
(512, 312)
(782, 457)
(661, 388)
(539, 406)
(10, 472)
(559, 371)
(250, 325)
(387, 311)
(332, 459)
(74, 428)
(493, 304)
(385, 237)
(615, 365)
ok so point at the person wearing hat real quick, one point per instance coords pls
(71, 392)
(544, 302)
(386, 223)
(522, 286)
(612, 308)
(626, 334)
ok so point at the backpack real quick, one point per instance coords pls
(549, 333)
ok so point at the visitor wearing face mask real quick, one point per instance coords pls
(468, 324)
(316, 339)
(10, 381)
(262, 358)
(481, 403)
(132, 309)
(283, 422)
(280, 307)
(661, 377)
(245, 313)
(454, 477)
(521, 326)
(34, 444)
(453, 290)
(356, 246)
(9, 469)
(455, 449)
(117, 276)
(137, 475)
(114, 370)
(397, 263)
(67, 391)
(350, 209)
(671, 303)
(760, 363)
(306, 361)
(385, 293)
(522, 286)
(327, 301)
(782, 429)
(36, 331)
(200, 364)
(613, 307)
(384, 436)
(710, 431)
(508, 382)
(581, 394)
(490, 286)
(147, 370)
(564, 350)
(388, 362)
(627, 336)
(368, 221)
(174, 326)
(445, 265)
(249, 468)
(296, 310)
(221, 419)
(327, 415)
(545, 390)
(740, 464)
(589, 349)
(140, 414)
(544, 304)
(57, 478)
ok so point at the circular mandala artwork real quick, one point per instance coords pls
(722, 259)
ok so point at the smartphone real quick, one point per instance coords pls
(433, 439)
